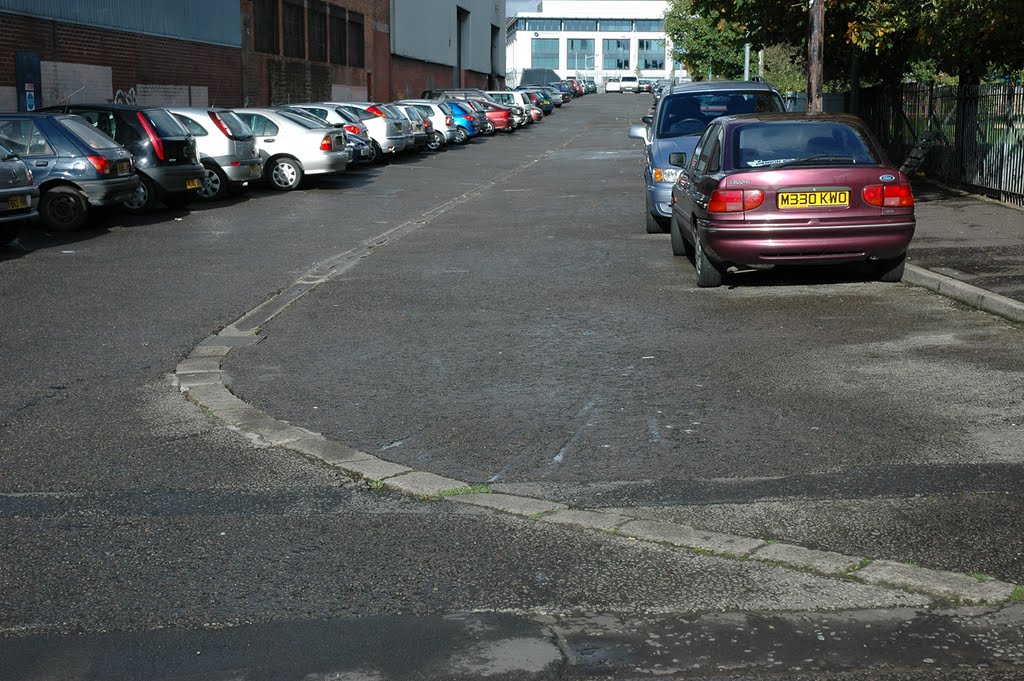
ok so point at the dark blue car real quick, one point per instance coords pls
(465, 121)
(74, 165)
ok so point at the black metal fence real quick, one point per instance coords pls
(971, 137)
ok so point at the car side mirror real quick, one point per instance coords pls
(677, 159)
(648, 119)
(638, 132)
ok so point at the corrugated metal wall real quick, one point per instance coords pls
(209, 21)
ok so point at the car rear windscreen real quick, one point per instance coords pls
(689, 114)
(238, 129)
(164, 123)
(774, 142)
(80, 128)
(307, 123)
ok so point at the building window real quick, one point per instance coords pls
(616, 25)
(294, 20)
(616, 55)
(545, 24)
(580, 54)
(520, 24)
(650, 26)
(579, 24)
(339, 37)
(356, 42)
(545, 53)
(317, 22)
(652, 54)
(264, 28)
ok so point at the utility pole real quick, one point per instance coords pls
(746, 62)
(815, 54)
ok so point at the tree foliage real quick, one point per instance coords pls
(969, 38)
(704, 44)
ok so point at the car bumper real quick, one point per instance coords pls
(109, 191)
(659, 199)
(238, 170)
(807, 244)
(175, 179)
(393, 145)
(330, 162)
(449, 133)
(32, 198)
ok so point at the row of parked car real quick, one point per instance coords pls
(740, 184)
(59, 163)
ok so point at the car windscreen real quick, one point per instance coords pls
(308, 123)
(164, 123)
(773, 143)
(81, 129)
(687, 114)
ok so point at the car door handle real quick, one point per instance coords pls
(268, 141)
(42, 164)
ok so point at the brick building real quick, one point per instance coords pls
(243, 52)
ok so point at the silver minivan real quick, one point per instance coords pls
(227, 149)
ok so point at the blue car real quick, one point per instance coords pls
(465, 121)
(671, 133)
(74, 165)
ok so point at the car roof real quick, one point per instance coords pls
(777, 117)
(724, 86)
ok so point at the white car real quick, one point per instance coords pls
(440, 114)
(629, 84)
(338, 117)
(293, 146)
(514, 98)
(613, 85)
(389, 134)
(227, 149)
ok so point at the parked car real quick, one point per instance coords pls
(19, 200)
(165, 154)
(514, 99)
(483, 125)
(339, 117)
(227, 149)
(441, 119)
(421, 136)
(293, 146)
(613, 85)
(74, 166)
(791, 189)
(455, 93)
(645, 85)
(541, 101)
(678, 122)
(465, 121)
(499, 116)
(629, 84)
(389, 134)
(591, 86)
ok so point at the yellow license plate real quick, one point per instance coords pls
(839, 198)
(193, 184)
(17, 202)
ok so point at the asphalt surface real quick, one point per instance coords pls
(528, 336)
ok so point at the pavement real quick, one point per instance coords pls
(969, 248)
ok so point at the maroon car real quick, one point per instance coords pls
(497, 114)
(790, 189)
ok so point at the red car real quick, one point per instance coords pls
(500, 116)
(790, 189)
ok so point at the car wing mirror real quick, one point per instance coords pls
(677, 159)
(638, 132)
(648, 119)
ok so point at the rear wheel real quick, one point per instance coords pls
(489, 128)
(709, 274)
(436, 141)
(461, 136)
(890, 270)
(63, 209)
(215, 183)
(284, 173)
(144, 199)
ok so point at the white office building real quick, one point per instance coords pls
(596, 39)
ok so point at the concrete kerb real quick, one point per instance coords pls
(200, 378)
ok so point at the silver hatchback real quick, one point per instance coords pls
(293, 146)
(227, 149)
(19, 200)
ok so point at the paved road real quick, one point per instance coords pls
(529, 335)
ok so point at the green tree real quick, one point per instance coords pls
(703, 43)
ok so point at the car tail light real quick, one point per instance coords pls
(325, 143)
(100, 163)
(735, 200)
(377, 112)
(352, 129)
(448, 120)
(889, 195)
(158, 144)
(219, 122)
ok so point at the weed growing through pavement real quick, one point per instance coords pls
(376, 484)
(1018, 595)
(459, 491)
(982, 577)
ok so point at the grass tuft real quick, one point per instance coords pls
(459, 491)
(1018, 594)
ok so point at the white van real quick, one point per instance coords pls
(630, 84)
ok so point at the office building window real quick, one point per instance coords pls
(616, 55)
(545, 24)
(520, 24)
(356, 42)
(650, 25)
(339, 36)
(580, 54)
(265, 26)
(579, 24)
(316, 18)
(616, 25)
(294, 20)
(651, 54)
(544, 53)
